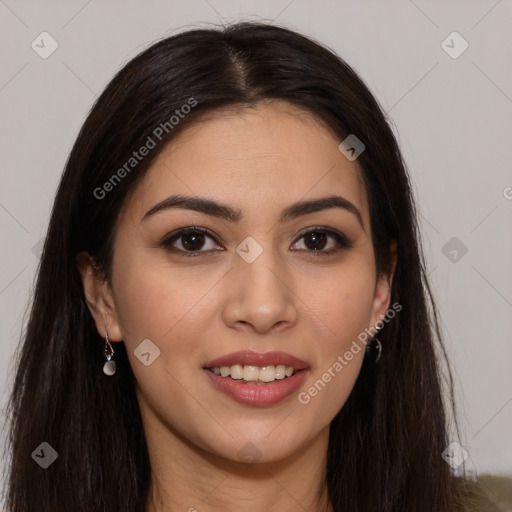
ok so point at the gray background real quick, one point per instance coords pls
(452, 118)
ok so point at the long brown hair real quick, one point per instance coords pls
(385, 444)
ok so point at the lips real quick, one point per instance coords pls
(256, 395)
(251, 358)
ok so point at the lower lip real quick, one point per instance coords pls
(258, 394)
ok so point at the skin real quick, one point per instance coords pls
(258, 160)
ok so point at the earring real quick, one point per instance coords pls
(109, 368)
(375, 345)
(379, 350)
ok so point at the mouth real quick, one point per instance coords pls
(258, 379)
(254, 374)
(251, 366)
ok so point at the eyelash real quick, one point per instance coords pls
(342, 240)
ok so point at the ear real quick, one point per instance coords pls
(382, 296)
(99, 298)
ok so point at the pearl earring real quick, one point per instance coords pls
(109, 368)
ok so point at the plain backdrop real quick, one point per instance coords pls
(452, 117)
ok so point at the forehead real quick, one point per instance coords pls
(257, 159)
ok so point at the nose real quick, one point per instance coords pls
(260, 296)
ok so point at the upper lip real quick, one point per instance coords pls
(251, 358)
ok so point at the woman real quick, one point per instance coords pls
(233, 227)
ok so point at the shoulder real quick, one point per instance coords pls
(490, 493)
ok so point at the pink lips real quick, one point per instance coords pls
(248, 357)
(257, 394)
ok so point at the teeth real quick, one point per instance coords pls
(236, 371)
(250, 373)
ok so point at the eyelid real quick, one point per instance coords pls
(327, 229)
(187, 229)
(177, 233)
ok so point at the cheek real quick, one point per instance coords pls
(341, 301)
(329, 387)
(345, 309)
(169, 308)
(342, 306)
(154, 301)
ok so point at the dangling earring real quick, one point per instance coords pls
(109, 368)
(375, 345)
(379, 350)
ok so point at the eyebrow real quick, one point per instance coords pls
(215, 209)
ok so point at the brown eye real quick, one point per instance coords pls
(190, 241)
(317, 241)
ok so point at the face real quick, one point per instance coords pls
(248, 280)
